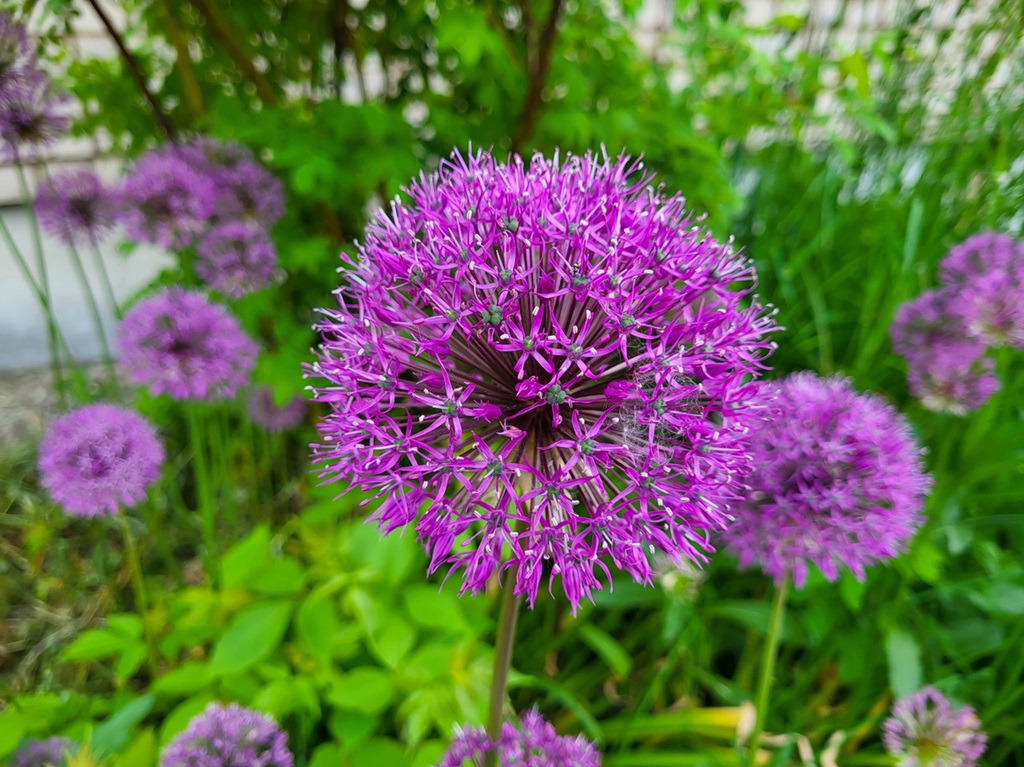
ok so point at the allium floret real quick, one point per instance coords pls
(179, 343)
(30, 113)
(547, 362)
(270, 416)
(229, 736)
(838, 481)
(925, 730)
(987, 273)
(75, 207)
(165, 201)
(952, 376)
(98, 458)
(16, 55)
(51, 752)
(236, 258)
(533, 743)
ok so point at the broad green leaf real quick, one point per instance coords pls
(326, 755)
(13, 727)
(251, 637)
(393, 640)
(608, 649)
(367, 690)
(184, 680)
(316, 623)
(96, 643)
(433, 608)
(379, 752)
(281, 577)
(110, 735)
(904, 656)
(247, 558)
(141, 753)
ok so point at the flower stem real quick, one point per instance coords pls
(204, 493)
(502, 660)
(768, 658)
(141, 603)
(104, 273)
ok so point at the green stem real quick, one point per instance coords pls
(222, 465)
(204, 491)
(152, 519)
(142, 604)
(502, 660)
(768, 658)
(108, 286)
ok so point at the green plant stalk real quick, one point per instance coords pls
(94, 311)
(108, 286)
(768, 658)
(222, 466)
(204, 492)
(502, 660)
(151, 517)
(139, 585)
(43, 289)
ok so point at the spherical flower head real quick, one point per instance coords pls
(75, 207)
(246, 190)
(51, 752)
(165, 201)
(179, 343)
(987, 273)
(544, 368)
(926, 731)
(270, 416)
(952, 376)
(99, 457)
(534, 743)
(236, 258)
(229, 736)
(837, 481)
(927, 321)
(30, 116)
(15, 52)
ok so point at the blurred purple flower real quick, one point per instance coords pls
(265, 413)
(43, 753)
(75, 207)
(229, 736)
(178, 343)
(927, 321)
(837, 481)
(165, 201)
(987, 272)
(926, 731)
(547, 360)
(979, 255)
(99, 457)
(16, 55)
(952, 376)
(236, 258)
(30, 116)
(534, 743)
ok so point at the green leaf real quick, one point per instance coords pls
(1000, 599)
(179, 717)
(326, 755)
(379, 752)
(251, 637)
(142, 751)
(184, 680)
(316, 623)
(429, 753)
(247, 558)
(393, 640)
(94, 644)
(904, 655)
(110, 735)
(608, 649)
(281, 577)
(367, 690)
(129, 661)
(433, 608)
(13, 727)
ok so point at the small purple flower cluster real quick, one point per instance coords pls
(99, 457)
(925, 730)
(229, 736)
(51, 752)
(178, 342)
(75, 207)
(534, 743)
(837, 480)
(211, 195)
(550, 360)
(30, 114)
(946, 333)
(270, 416)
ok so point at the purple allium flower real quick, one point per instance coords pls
(952, 376)
(51, 752)
(987, 271)
(926, 731)
(15, 52)
(534, 743)
(98, 457)
(927, 321)
(29, 115)
(265, 413)
(165, 201)
(229, 736)
(75, 207)
(549, 361)
(236, 258)
(178, 343)
(837, 480)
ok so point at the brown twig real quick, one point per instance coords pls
(136, 72)
(538, 76)
(183, 62)
(220, 29)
